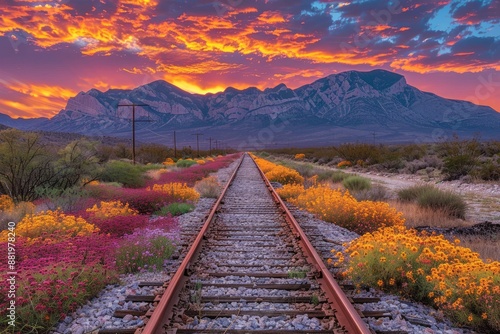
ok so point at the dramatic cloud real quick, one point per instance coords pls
(51, 49)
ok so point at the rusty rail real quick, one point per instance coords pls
(164, 310)
(346, 314)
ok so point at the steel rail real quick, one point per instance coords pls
(346, 315)
(163, 312)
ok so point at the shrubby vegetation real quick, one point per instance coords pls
(455, 158)
(428, 196)
(430, 269)
(83, 214)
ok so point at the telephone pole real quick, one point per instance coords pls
(175, 146)
(198, 142)
(133, 105)
(210, 151)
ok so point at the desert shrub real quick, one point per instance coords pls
(488, 170)
(325, 175)
(339, 207)
(300, 156)
(67, 200)
(306, 170)
(152, 153)
(123, 172)
(357, 151)
(184, 163)
(375, 193)
(446, 201)
(430, 269)
(208, 187)
(284, 175)
(427, 196)
(414, 192)
(289, 191)
(143, 250)
(344, 164)
(431, 161)
(175, 209)
(356, 183)
(338, 176)
(460, 157)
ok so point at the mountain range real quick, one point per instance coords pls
(375, 106)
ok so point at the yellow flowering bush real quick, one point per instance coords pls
(339, 207)
(6, 203)
(344, 163)
(111, 209)
(428, 268)
(289, 191)
(278, 173)
(209, 159)
(178, 191)
(265, 165)
(51, 225)
(200, 162)
(284, 175)
(468, 292)
(300, 156)
(168, 162)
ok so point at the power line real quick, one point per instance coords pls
(133, 105)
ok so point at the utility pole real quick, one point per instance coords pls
(133, 105)
(198, 142)
(175, 146)
(210, 151)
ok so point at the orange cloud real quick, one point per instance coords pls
(417, 64)
(38, 91)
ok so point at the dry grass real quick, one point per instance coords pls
(418, 216)
(155, 174)
(208, 187)
(487, 248)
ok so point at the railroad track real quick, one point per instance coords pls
(250, 269)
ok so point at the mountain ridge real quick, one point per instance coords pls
(352, 104)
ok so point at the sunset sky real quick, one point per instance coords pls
(52, 49)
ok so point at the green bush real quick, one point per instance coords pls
(175, 209)
(411, 194)
(185, 163)
(356, 183)
(488, 171)
(427, 196)
(445, 201)
(338, 176)
(123, 172)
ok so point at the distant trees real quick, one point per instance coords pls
(26, 165)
